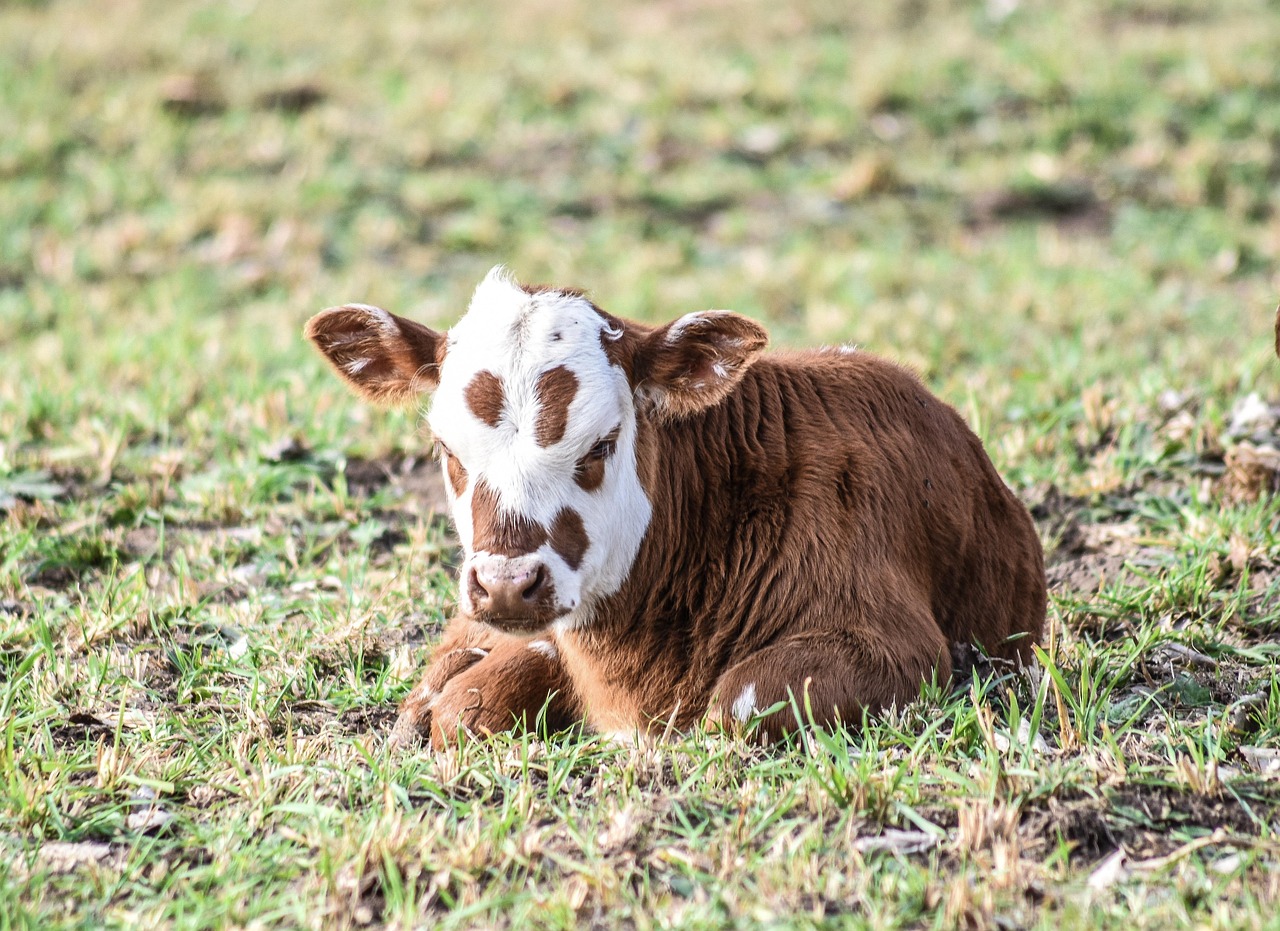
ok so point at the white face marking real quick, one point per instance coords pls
(518, 337)
(744, 706)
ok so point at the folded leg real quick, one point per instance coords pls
(833, 676)
(464, 644)
(506, 689)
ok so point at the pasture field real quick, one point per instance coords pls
(219, 572)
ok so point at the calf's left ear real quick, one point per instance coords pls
(385, 358)
(694, 362)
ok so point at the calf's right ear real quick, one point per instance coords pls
(693, 363)
(385, 358)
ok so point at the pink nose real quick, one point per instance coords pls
(507, 588)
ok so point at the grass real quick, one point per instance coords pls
(218, 572)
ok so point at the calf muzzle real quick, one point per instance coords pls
(511, 593)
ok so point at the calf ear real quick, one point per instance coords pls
(693, 363)
(385, 358)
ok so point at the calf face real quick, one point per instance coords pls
(538, 400)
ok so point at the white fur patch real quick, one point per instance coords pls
(744, 706)
(622, 737)
(545, 647)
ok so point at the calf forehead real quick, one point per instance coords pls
(518, 361)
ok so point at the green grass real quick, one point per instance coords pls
(218, 572)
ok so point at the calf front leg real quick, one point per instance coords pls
(831, 676)
(506, 689)
(463, 645)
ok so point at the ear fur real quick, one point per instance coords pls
(387, 359)
(694, 362)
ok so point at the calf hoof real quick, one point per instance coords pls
(414, 724)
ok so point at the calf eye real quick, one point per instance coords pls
(603, 450)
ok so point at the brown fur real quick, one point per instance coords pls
(824, 534)
(401, 358)
(555, 390)
(569, 537)
(588, 473)
(460, 697)
(457, 474)
(486, 397)
(501, 533)
(749, 575)
(678, 375)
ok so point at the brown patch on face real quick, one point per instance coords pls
(569, 537)
(486, 398)
(508, 535)
(589, 472)
(555, 391)
(457, 474)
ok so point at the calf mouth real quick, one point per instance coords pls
(538, 618)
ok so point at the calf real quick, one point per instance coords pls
(661, 522)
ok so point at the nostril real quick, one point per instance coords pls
(534, 588)
(475, 588)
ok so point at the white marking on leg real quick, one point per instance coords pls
(545, 647)
(744, 706)
(623, 737)
(476, 651)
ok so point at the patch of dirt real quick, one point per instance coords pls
(1187, 672)
(291, 98)
(417, 478)
(371, 650)
(364, 719)
(1086, 574)
(1159, 14)
(305, 717)
(141, 542)
(1082, 556)
(80, 728)
(1251, 471)
(1081, 823)
(1071, 204)
(160, 676)
(1146, 820)
(16, 608)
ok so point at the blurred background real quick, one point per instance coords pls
(219, 571)
(1019, 199)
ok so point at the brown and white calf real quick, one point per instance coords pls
(661, 522)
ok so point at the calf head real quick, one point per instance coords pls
(538, 402)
